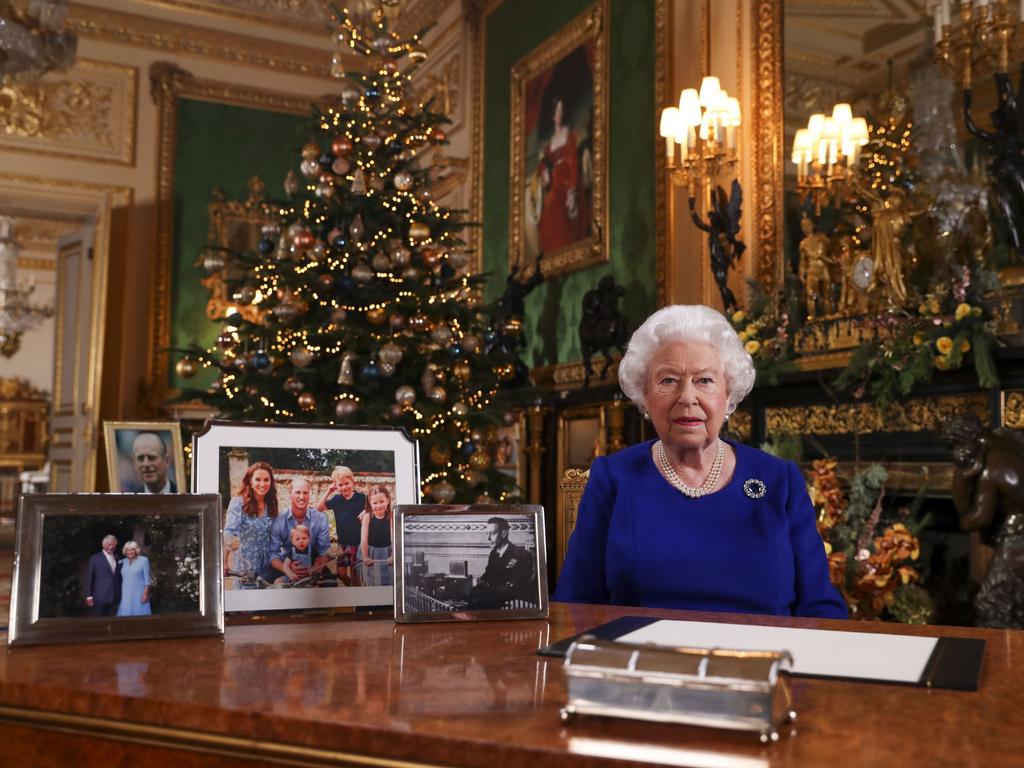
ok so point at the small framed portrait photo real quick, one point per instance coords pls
(307, 511)
(470, 562)
(145, 457)
(115, 566)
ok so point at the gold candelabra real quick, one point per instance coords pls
(826, 153)
(980, 34)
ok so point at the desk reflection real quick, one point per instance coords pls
(441, 673)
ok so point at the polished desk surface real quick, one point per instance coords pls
(369, 692)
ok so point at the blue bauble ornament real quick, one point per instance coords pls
(371, 94)
(436, 281)
(468, 448)
(259, 361)
(234, 319)
(339, 242)
(447, 273)
(370, 371)
(455, 350)
(490, 337)
(326, 161)
(265, 245)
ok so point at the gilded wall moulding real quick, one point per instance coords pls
(168, 83)
(158, 35)
(570, 375)
(1013, 409)
(924, 414)
(310, 16)
(88, 112)
(768, 264)
(37, 232)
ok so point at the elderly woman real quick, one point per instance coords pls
(135, 582)
(691, 520)
(250, 515)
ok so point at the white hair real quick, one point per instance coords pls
(130, 545)
(692, 323)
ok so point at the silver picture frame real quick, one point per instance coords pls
(223, 455)
(462, 563)
(59, 533)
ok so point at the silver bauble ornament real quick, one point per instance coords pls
(372, 141)
(442, 334)
(349, 94)
(390, 353)
(291, 183)
(301, 356)
(286, 312)
(214, 260)
(386, 369)
(341, 166)
(381, 262)
(356, 230)
(458, 259)
(245, 294)
(345, 408)
(403, 181)
(293, 385)
(310, 168)
(460, 409)
(359, 182)
(471, 342)
(443, 492)
(345, 376)
(438, 394)
(317, 252)
(362, 273)
(405, 395)
(401, 256)
(186, 368)
(324, 191)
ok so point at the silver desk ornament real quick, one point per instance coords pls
(740, 690)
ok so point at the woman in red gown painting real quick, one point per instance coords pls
(565, 215)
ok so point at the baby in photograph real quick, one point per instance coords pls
(298, 553)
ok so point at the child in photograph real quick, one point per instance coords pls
(348, 506)
(297, 552)
(375, 540)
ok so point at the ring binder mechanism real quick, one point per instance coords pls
(740, 690)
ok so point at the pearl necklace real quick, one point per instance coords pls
(670, 473)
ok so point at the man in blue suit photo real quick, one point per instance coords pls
(103, 580)
(152, 464)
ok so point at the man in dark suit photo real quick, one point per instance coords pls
(149, 456)
(509, 575)
(103, 580)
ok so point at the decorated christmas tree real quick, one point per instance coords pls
(357, 307)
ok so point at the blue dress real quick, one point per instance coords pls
(639, 541)
(254, 535)
(134, 579)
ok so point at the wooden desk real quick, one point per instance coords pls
(370, 693)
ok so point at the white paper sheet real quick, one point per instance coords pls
(857, 655)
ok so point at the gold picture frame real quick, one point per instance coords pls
(120, 437)
(558, 196)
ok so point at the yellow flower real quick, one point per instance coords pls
(922, 308)
(743, 336)
(752, 330)
(828, 548)
(752, 346)
(965, 346)
(976, 311)
(944, 344)
(942, 363)
(919, 339)
(934, 306)
(962, 311)
(739, 316)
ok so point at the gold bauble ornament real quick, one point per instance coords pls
(419, 231)
(480, 460)
(307, 401)
(310, 151)
(461, 370)
(376, 316)
(440, 454)
(505, 371)
(186, 368)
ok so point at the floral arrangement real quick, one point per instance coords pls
(765, 335)
(873, 563)
(909, 347)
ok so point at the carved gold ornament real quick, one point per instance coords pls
(924, 414)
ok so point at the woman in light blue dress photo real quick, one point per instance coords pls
(134, 582)
(250, 515)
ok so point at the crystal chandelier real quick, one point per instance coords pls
(17, 315)
(34, 42)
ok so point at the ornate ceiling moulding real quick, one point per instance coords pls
(154, 34)
(88, 112)
(918, 415)
(415, 16)
(309, 16)
(42, 233)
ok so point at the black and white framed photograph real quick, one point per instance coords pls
(307, 511)
(145, 457)
(116, 566)
(470, 562)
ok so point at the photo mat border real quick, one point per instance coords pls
(110, 429)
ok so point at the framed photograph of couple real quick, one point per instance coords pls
(558, 176)
(116, 566)
(307, 511)
(470, 562)
(145, 457)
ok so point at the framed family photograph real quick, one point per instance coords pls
(145, 456)
(470, 562)
(113, 566)
(558, 176)
(307, 511)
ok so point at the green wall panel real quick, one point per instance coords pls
(219, 145)
(553, 310)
